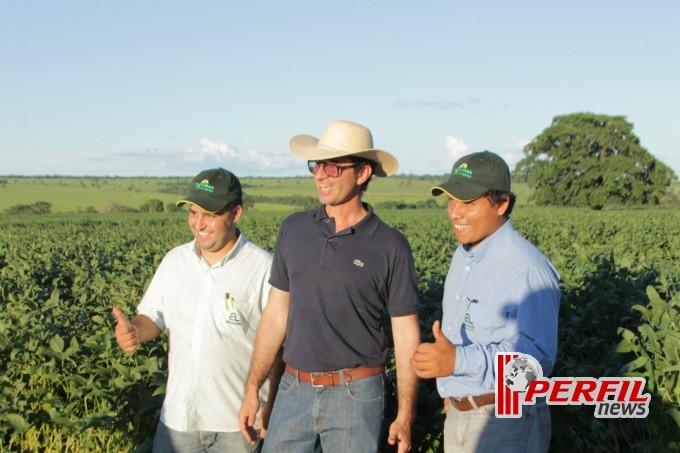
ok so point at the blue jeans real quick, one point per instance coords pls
(343, 418)
(168, 440)
(479, 430)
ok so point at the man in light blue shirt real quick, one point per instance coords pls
(501, 295)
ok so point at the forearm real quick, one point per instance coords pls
(264, 358)
(275, 374)
(406, 341)
(270, 335)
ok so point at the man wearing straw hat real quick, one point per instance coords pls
(336, 270)
(501, 295)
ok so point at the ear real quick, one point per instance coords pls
(238, 210)
(502, 207)
(364, 173)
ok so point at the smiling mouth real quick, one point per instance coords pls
(459, 227)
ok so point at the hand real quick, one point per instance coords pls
(434, 359)
(400, 435)
(264, 419)
(447, 404)
(126, 332)
(246, 418)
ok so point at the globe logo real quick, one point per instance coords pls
(520, 372)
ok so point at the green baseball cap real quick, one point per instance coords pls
(474, 175)
(212, 190)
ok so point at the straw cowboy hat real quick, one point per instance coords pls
(344, 138)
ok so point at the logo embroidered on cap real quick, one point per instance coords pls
(359, 263)
(205, 185)
(462, 170)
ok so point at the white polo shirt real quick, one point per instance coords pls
(211, 314)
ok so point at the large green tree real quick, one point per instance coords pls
(584, 159)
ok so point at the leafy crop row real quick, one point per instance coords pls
(65, 386)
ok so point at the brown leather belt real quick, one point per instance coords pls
(331, 378)
(464, 404)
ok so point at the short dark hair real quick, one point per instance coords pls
(362, 161)
(497, 197)
(229, 207)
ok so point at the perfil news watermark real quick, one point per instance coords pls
(519, 380)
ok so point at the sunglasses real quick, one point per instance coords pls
(331, 169)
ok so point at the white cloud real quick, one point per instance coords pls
(512, 158)
(457, 148)
(210, 149)
(251, 162)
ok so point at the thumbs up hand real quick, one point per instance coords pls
(434, 359)
(126, 332)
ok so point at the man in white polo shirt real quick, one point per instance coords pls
(209, 294)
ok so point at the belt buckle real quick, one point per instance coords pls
(313, 375)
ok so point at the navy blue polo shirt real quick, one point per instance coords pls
(340, 285)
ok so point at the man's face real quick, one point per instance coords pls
(338, 190)
(476, 220)
(214, 232)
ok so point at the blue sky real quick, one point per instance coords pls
(160, 88)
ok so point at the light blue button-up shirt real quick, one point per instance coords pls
(501, 296)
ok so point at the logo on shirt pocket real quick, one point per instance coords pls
(230, 304)
(233, 319)
(469, 323)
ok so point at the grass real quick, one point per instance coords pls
(77, 194)
(102, 194)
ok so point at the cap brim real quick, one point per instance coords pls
(461, 190)
(204, 203)
(307, 147)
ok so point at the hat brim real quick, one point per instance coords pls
(459, 189)
(205, 203)
(307, 147)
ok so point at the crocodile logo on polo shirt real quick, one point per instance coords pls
(358, 263)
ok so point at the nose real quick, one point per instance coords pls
(321, 173)
(454, 209)
(199, 220)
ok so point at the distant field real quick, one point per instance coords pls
(78, 194)
(104, 194)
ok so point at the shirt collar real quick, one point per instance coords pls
(367, 225)
(498, 237)
(232, 253)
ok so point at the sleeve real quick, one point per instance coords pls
(152, 304)
(265, 287)
(531, 327)
(279, 273)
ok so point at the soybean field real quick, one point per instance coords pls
(66, 386)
